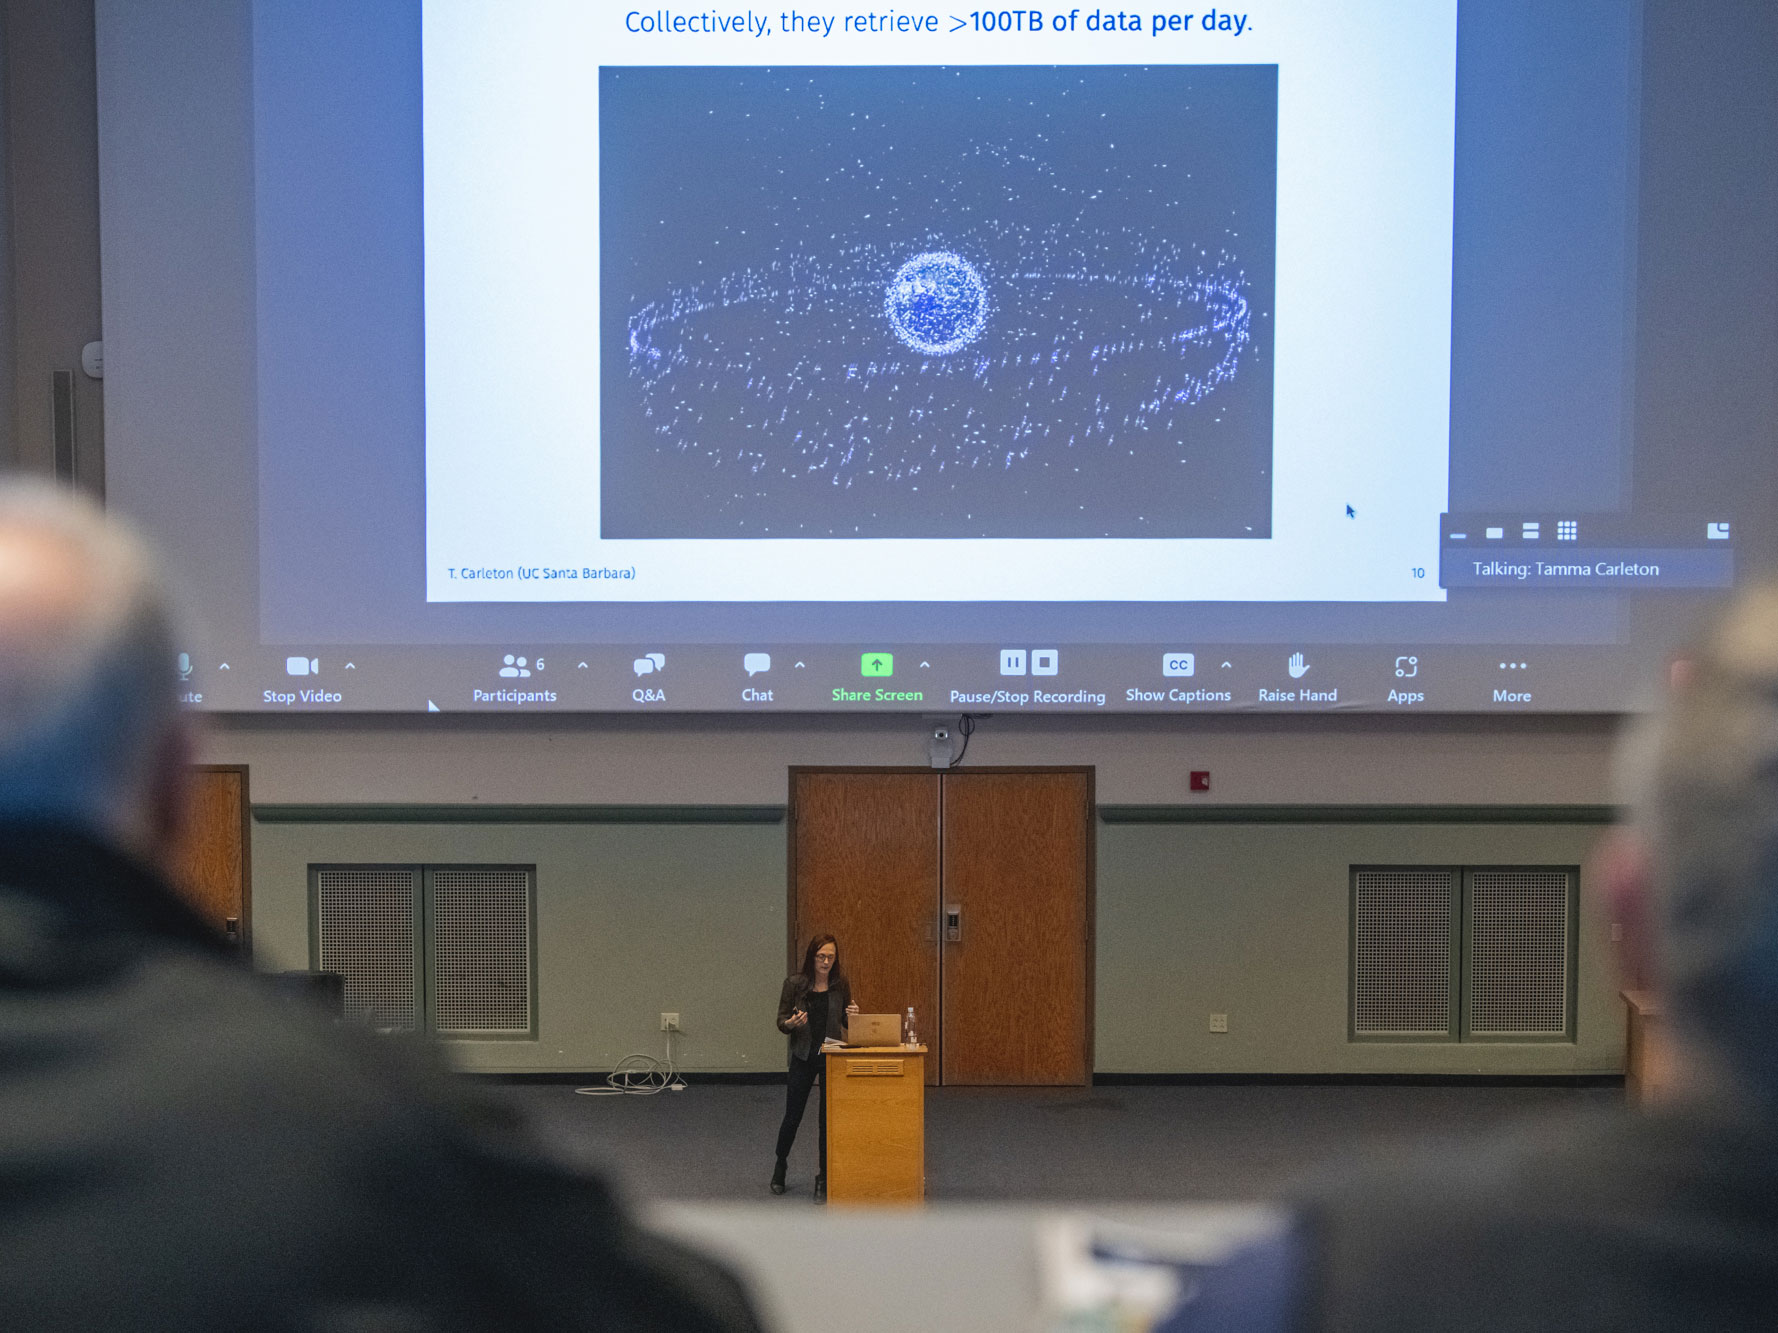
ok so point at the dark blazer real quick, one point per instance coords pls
(792, 997)
(239, 1161)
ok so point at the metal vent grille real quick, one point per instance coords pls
(364, 928)
(1401, 951)
(1519, 947)
(481, 951)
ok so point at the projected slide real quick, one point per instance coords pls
(572, 355)
(913, 302)
(815, 307)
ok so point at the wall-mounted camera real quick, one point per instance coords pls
(941, 746)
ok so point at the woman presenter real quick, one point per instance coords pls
(814, 1005)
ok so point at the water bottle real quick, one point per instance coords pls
(911, 1039)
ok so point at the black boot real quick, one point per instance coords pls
(821, 1188)
(778, 1176)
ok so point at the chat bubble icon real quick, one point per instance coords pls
(642, 666)
(756, 663)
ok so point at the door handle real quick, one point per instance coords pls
(232, 929)
(953, 923)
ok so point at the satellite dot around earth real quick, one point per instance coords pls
(901, 329)
(937, 303)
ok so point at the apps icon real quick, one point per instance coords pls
(1179, 664)
(876, 664)
(1045, 661)
(1012, 661)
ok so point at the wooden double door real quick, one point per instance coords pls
(211, 864)
(968, 895)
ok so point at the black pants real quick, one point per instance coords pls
(804, 1074)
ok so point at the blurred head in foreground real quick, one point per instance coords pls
(202, 1155)
(90, 733)
(1696, 882)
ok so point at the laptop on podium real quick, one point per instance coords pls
(873, 1030)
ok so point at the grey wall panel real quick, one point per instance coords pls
(1252, 921)
(1404, 963)
(365, 926)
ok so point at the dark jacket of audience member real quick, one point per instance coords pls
(181, 1148)
(1623, 1222)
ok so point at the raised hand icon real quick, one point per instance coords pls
(1298, 667)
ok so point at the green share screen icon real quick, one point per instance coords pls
(877, 664)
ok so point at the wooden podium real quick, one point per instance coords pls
(1648, 1073)
(876, 1124)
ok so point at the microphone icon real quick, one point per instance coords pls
(184, 666)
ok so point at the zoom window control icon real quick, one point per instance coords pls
(1012, 661)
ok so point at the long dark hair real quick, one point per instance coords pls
(835, 977)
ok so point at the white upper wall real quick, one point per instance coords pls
(743, 760)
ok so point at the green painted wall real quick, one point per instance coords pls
(632, 920)
(1252, 920)
(1246, 919)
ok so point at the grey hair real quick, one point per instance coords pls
(1702, 780)
(87, 677)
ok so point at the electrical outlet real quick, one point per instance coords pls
(670, 1023)
(1219, 1022)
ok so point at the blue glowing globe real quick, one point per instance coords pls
(937, 303)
